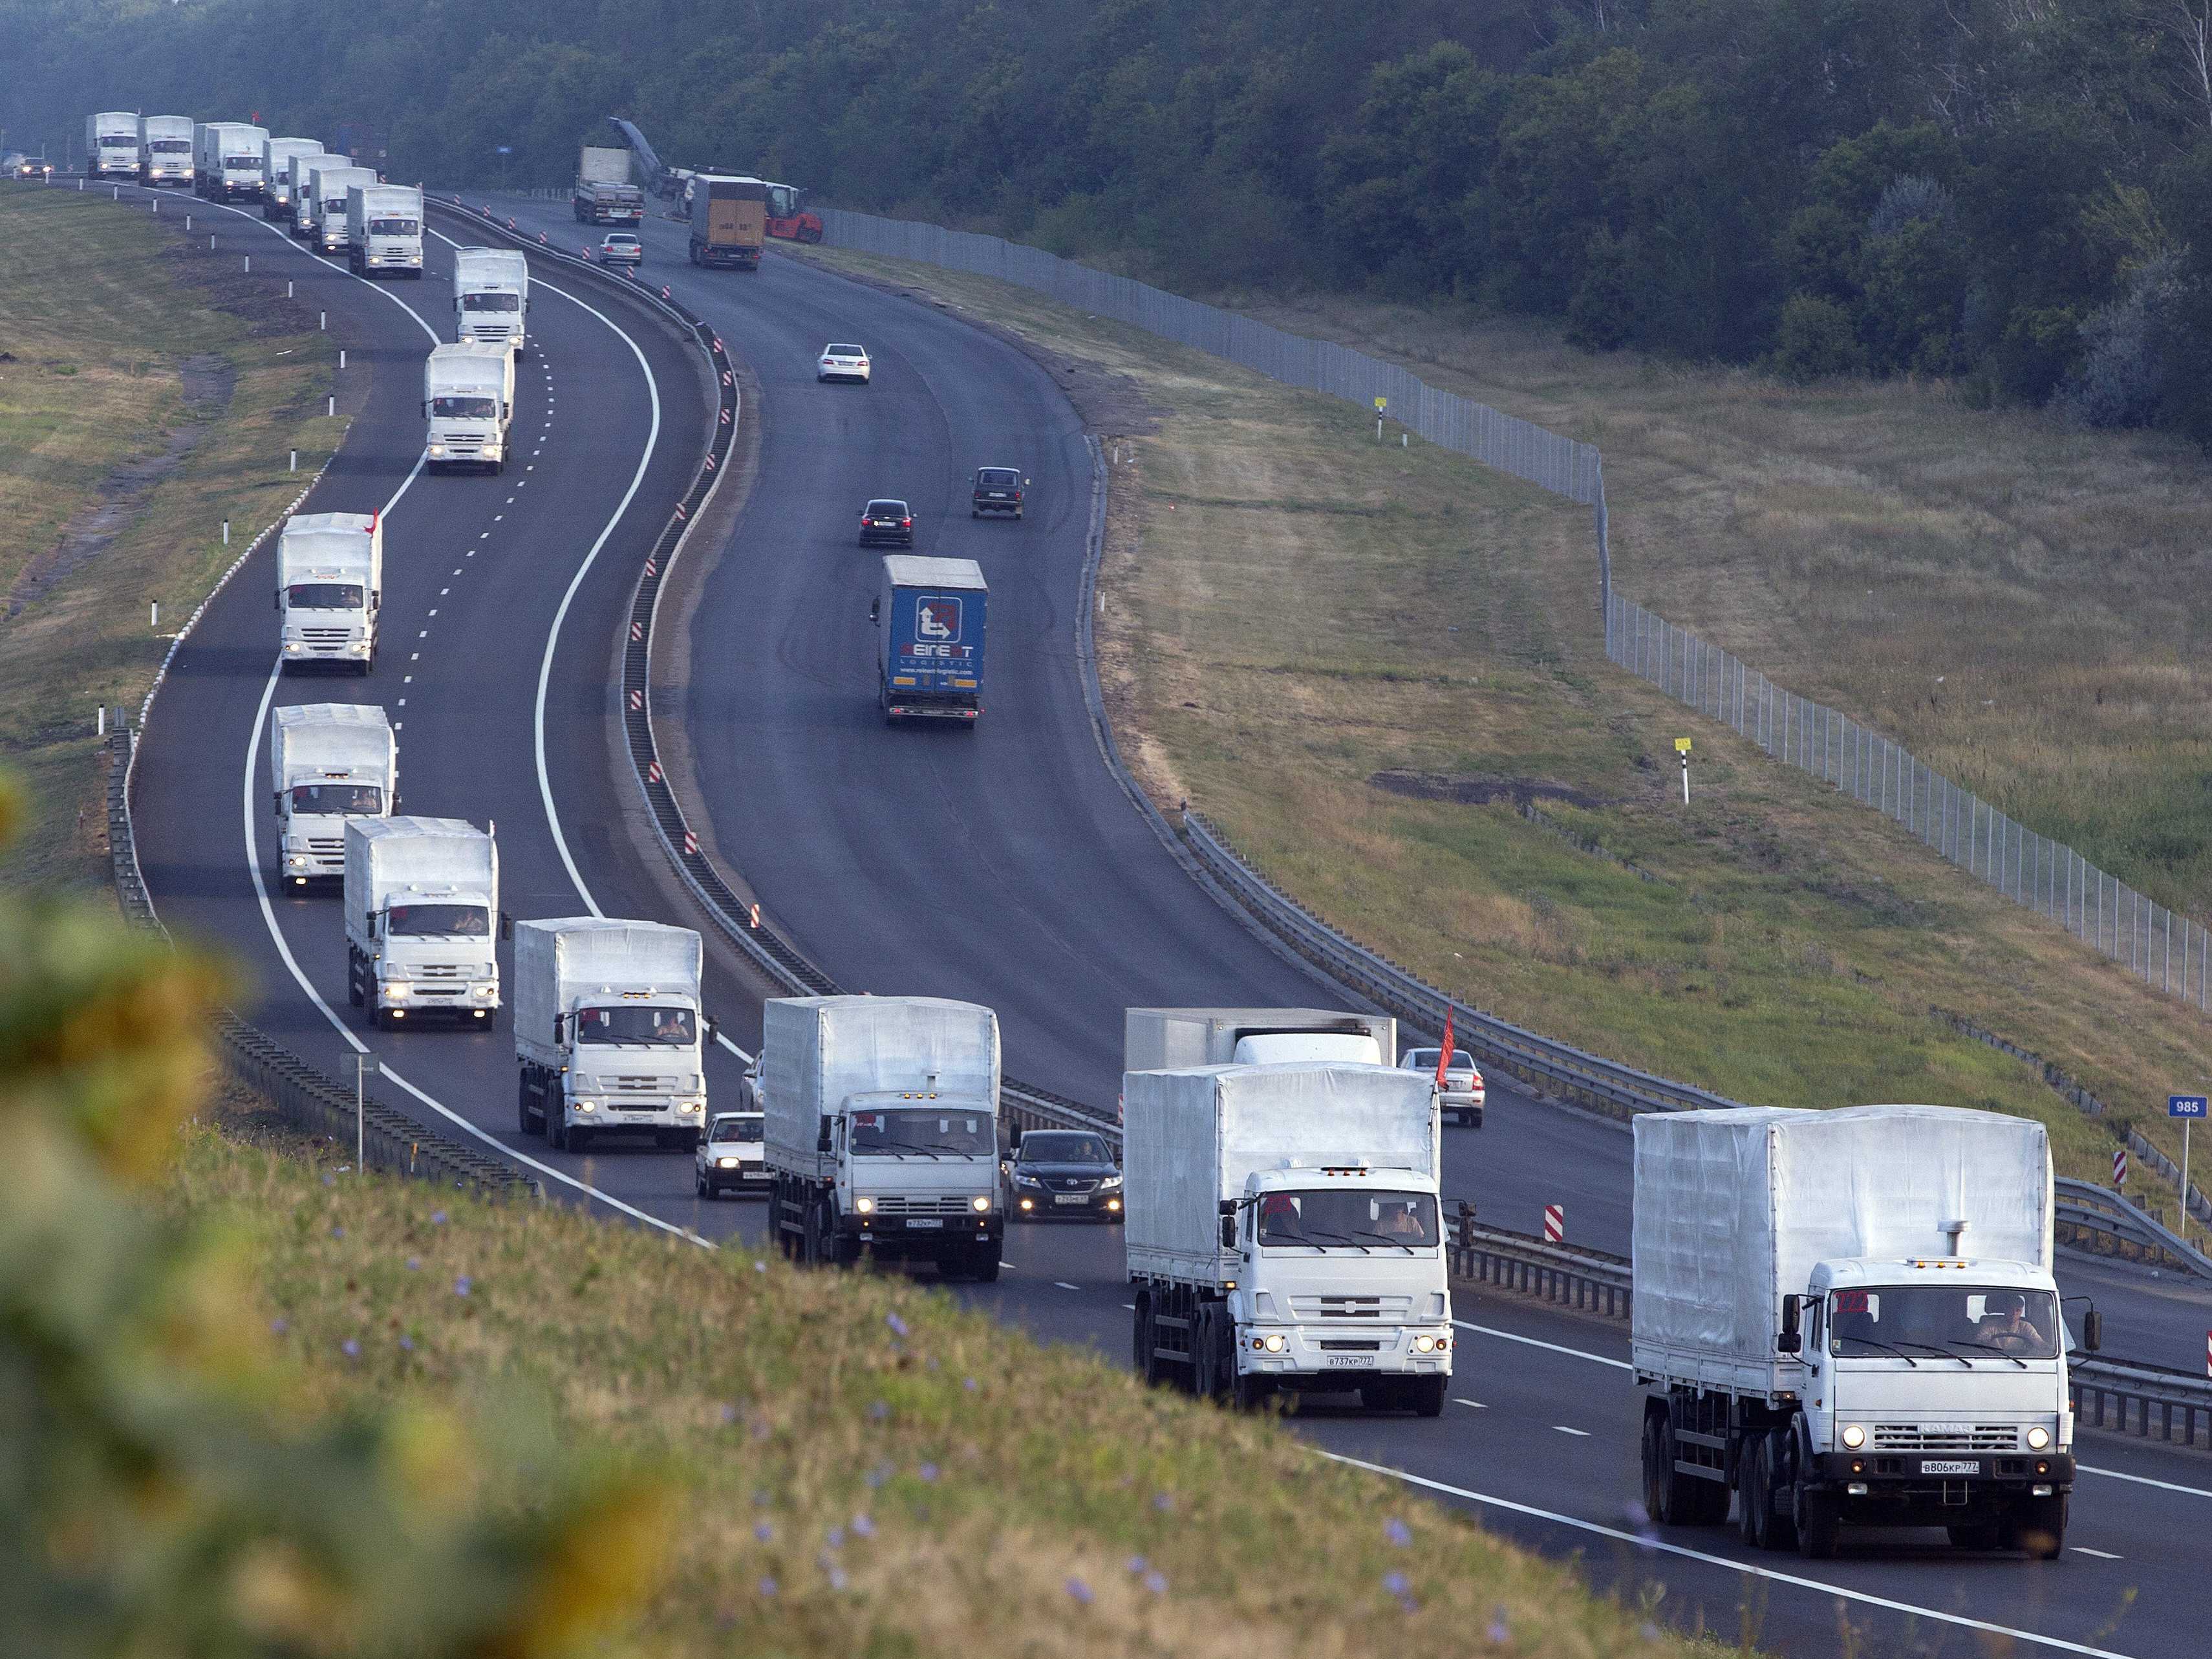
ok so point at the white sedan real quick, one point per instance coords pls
(843, 362)
(730, 1154)
(1464, 1094)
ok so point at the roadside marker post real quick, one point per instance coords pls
(2189, 1109)
(1555, 1223)
(360, 1111)
(1682, 748)
(1381, 404)
(2119, 1168)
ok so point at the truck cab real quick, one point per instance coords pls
(165, 147)
(328, 762)
(491, 296)
(468, 399)
(329, 574)
(422, 920)
(384, 229)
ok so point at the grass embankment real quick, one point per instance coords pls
(157, 386)
(867, 1468)
(1291, 610)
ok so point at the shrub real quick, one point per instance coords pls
(1814, 339)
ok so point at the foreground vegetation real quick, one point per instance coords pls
(152, 382)
(1361, 660)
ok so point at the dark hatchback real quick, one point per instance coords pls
(886, 523)
(998, 490)
(1062, 1172)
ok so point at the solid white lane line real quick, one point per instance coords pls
(1064, 1285)
(2102, 1555)
(1472, 1405)
(1562, 1429)
(1773, 1574)
(2142, 1480)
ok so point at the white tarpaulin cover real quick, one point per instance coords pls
(331, 546)
(817, 1051)
(558, 961)
(434, 854)
(1191, 1137)
(306, 740)
(1735, 1209)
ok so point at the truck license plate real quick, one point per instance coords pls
(1953, 1466)
(1348, 1361)
(925, 1221)
(1071, 1197)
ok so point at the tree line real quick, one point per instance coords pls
(2013, 194)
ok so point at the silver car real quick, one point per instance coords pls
(730, 1154)
(1464, 1091)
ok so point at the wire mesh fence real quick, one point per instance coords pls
(2170, 951)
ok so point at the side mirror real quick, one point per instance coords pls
(1017, 1141)
(2093, 1331)
(1792, 1341)
(875, 612)
(375, 924)
(1228, 1232)
(506, 925)
(277, 801)
(714, 1027)
(824, 1142)
(277, 599)
(560, 1028)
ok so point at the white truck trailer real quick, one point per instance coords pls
(384, 229)
(491, 296)
(330, 586)
(421, 905)
(1282, 1232)
(330, 178)
(328, 762)
(1849, 1317)
(227, 160)
(882, 1130)
(1160, 1039)
(277, 158)
(608, 1031)
(111, 144)
(468, 399)
(165, 149)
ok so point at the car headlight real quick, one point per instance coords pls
(1274, 1342)
(1110, 1181)
(1021, 1180)
(979, 1202)
(397, 988)
(2038, 1437)
(726, 1163)
(865, 1206)
(1853, 1436)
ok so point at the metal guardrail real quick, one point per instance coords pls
(1541, 1062)
(2120, 1396)
(783, 963)
(2105, 1223)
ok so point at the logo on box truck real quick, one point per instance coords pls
(938, 618)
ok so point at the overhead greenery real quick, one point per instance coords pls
(2011, 193)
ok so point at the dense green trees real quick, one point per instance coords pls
(1972, 188)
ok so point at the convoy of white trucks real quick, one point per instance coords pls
(492, 296)
(468, 399)
(1849, 1316)
(422, 920)
(384, 229)
(883, 1130)
(609, 1031)
(328, 763)
(329, 582)
(112, 144)
(1282, 1232)
(165, 149)
(277, 156)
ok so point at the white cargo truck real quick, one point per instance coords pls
(384, 229)
(883, 1130)
(165, 149)
(1159, 1038)
(330, 178)
(609, 1031)
(603, 193)
(328, 762)
(1848, 1317)
(1283, 1233)
(111, 144)
(277, 156)
(227, 160)
(491, 296)
(330, 586)
(421, 918)
(468, 399)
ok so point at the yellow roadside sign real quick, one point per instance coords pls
(1681, 745)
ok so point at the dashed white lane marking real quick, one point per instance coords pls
(1131, 1306)
(1064, 1285)
(1562, 1429)
(433, 610)
(413, 656)
(407, 680)
(495, 517)
(425, 634)
(1471, 1404)
(442, 592)
(402, 702)
(2102, 1555)
(1664, 1546)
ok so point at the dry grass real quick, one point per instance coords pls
(119, 299)
(1290, 609)
(865, 1467)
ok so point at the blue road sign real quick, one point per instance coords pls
(2185, 1106)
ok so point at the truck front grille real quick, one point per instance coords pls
(1979, 1437)
(327, 636)
(932, 1206)
(438, 971)
(333, 845)
(1346, 1345)
(1327, 1307)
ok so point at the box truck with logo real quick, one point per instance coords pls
(930, 615)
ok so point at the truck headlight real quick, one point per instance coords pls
(397, 988)
(1853, 1436)
(437, 449)
(1273, 1341)
(726, 1163)
(295, 645)
(587, 1106)
(488, 988)
(296, 860)
(1425, 1344)
(2037, 1437)
(865, 1206)
(979, 1202)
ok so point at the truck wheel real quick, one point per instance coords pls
(522, 1105)
(1654, 1479)
(1818, 1522)
(1254, 1390)
(355, 994)
(1140, 1336)
(2038, 1527)
(1208, 1352)
(1754, 1494)
(985, 1267)
(1425, 1395)
(557, 1115)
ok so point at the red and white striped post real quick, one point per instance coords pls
(2207, 1353)
(2119, 1167)
(1555, 1223)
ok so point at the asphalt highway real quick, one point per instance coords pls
(1001, 864)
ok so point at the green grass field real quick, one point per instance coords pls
(104, 308)
(1290, 611)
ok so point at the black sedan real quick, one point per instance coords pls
(886, 522)
(1062, 1172)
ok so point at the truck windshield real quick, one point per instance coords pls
(1918, 1318)
(395, 226)
(662, 1027)
(492, 302)
(336, 797)
(1326, 1220)
(241, 164)
(334, 205)
(169, 146)
(465, 408)
(924, 1131)
(469, 921)
(323, 596)
(736, 1126)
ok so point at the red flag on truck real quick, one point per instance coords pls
(1443, 1054)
